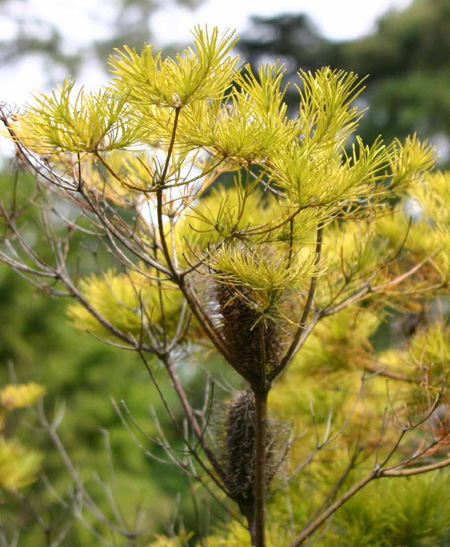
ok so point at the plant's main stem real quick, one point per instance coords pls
(260, 392)
(260, 470)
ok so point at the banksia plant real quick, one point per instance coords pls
(276, 245)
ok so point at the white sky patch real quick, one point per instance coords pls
(442, 144)
(413, 209)
(80, 21)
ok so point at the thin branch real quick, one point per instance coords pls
(190, 414)
(312, 527)
(416, 470)
(367, 288)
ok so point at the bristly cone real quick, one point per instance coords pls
(240, 325)
(240, 444)
(237, 444)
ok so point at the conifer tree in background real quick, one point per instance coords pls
(285, 277)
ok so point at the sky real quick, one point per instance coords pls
(83, 21)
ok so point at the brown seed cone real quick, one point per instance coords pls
(236, 439)
(240, 444)
(241, 330)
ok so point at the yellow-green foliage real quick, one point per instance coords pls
(409, 161)
(236, 535)
(251, 125)
(164, 541)
(327, 109)
(126, 301)
(76, 122)
(422, 223)
(339, 337)
(18, 465)
(265, 274)
(224, 211)
(427, 352)
(20, 395)
(238, 118)
(321, 177)
(410, 512)
(197, 74)
(431, 349)
(351, 252)
(327, 373)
